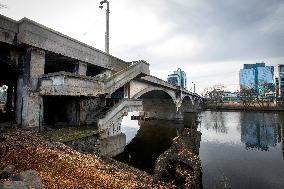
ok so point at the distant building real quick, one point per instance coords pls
(280, 81)
(178, 78)
(247, 78)
(258, 77)
(231, 96)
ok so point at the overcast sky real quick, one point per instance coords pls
(209, 39)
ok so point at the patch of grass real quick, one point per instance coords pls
(77, 136)
(7, 130)
(68, 134)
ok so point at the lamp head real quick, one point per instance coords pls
(101, 7)
(102, 2)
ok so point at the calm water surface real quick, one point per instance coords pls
(237, 150)
(242, 149)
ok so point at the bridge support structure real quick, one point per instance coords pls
(55, 80)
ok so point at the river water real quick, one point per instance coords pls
(237, 149)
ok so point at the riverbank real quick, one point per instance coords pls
(244, 108)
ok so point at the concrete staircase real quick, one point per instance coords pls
(116, 113)
(138, 69)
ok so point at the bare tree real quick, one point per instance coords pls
(262, 99)
(214, 95)
(247, 97)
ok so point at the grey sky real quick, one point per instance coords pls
(209, 39)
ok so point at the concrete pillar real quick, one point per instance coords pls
(34, 67)
(29, 102)
(80, 68)
(73, 112)
(31, 109)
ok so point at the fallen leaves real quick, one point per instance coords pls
(62, 167)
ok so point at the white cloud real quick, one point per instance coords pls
(178, 46)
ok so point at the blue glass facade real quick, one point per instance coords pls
(257, 76)
(178, 78)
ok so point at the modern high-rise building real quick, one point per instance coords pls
(280, 79)
(178, 78)
(247, 78)
(258, 77)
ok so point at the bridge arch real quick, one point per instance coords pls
(157, 103)
(186, 104)
(152, 89)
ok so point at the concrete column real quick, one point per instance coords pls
(34, 67)
(80, 68)
(31, 109)
(19, 102)
(29, 101)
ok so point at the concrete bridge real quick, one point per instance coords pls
(53, 79)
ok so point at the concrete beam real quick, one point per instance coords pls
(36, 35)
(8, 30)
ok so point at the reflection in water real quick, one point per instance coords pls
(152, 139)
(258, 131)
(130, 127)
(243, 148)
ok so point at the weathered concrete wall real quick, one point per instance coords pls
(68, 84)
(90, 110)
(113, 145)
(110, 147)
(30, 107)
(30, 111)
(87, 145)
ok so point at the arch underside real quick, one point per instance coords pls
(158, 103)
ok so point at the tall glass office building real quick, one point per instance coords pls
(178, 78)
(280, 78)
(257, 76)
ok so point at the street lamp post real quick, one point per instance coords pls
(107, 25)
(193, 86)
